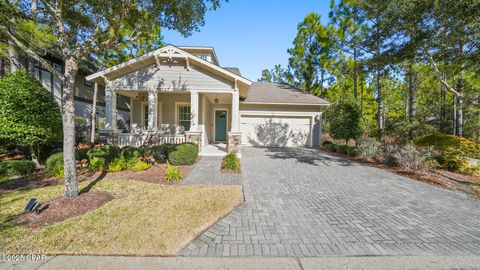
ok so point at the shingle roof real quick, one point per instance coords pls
(264, 92)
(234, 70)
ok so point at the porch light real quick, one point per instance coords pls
(215, 100)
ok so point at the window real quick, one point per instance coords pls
(184, 117)
(145, 116)
(203, 57)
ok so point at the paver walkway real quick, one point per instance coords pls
(302, 202)
(207, 171)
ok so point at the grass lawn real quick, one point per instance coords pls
(142, 219)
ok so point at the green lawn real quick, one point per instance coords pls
(142, 219)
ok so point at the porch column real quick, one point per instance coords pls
(110, 109)
(235, 112)
(194, 111)
(152, 110)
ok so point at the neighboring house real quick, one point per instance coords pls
(83, 91)
(182, 94)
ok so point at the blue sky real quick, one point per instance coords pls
(251, 35)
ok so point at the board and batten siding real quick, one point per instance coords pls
(173, 77)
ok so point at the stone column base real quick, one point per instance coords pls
(194, 137)
(234, 142)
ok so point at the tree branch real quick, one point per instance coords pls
(45, 64)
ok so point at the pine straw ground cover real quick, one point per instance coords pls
(141, 219)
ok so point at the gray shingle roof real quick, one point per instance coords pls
(234, 70)
(264, 92)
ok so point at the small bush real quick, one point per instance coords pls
(140, 166)
(97, 164)
(173, 174)
(108, 153)
(54, 165)
(183, 154)
(16, 167)
(354, 151)
(331, 147)
(342, 148)
(455, 160)
(370, 147)
(231, 162)
(442, 141)
(119, 164)
(81, 154)
(408, 157)
(160, 152)
(325, 143)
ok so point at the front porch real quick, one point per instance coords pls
(159, 117)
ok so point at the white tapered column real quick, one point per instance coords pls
(110, 109)
(235, 112)
(152, 110)
(194, 111)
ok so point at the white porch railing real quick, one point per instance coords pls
(132, 139)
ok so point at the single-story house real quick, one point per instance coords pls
(182, 94)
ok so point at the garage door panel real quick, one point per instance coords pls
(275, 131)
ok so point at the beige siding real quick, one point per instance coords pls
(285, 108)
(171, 78)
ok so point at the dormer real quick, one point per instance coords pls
(205, 53)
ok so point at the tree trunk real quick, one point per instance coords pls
(68, 119)
(94, 113)
(411, 95)
(459, 104)
(454, 131)
(443, 108)
(361, 97)
(2, 67)
(355, 72)
(381, 129)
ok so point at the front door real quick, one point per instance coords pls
(220, 125)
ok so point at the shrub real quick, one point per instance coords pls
(17, 167)
(354, 151)
(119, 164)
(455, 160)
(81, 154)
(345, 120)
(130, 152)
(332, 147)
(408, 157)
(442, 141)
(54, 164)
(140, 166)
(29, 116)
(173, 174)
(106, 153)
(183, 154)
(342, 148)
(325, 143)
(96, 164)
(231, 162)
(160, 152)
(370, 147)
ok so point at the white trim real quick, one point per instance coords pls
(214, 124)
(180, 54)
(284, 103)
(280, 113)
(178, 103)
(142, 110)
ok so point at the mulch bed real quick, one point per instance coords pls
(38, 179)
(468, 184)
(154, 174)
(63, 208)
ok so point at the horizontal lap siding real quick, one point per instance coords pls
(171, 78)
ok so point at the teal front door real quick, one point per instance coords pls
(220, 126)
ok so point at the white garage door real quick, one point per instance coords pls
(275, 131)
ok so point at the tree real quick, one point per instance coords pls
(266, 76)
(345, 121)
(277, 75)
(29, 116)
(311, 55)
(85, 28)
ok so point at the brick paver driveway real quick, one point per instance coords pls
(302, 202)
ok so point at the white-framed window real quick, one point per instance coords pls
(183, 116)
(145, 115)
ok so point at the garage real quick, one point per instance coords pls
(277, 131)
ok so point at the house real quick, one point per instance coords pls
(180, 94)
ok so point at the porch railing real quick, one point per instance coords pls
(131, 139)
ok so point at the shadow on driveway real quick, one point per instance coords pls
(306, 155)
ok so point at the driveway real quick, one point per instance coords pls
(303, 202)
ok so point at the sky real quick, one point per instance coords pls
(251, 35)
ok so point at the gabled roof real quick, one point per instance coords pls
(201, 49)
(234, 70)
(276, 93)
(167, 52)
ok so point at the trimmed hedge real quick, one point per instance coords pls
(16, 167)
(54, 164)
(183, 154)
